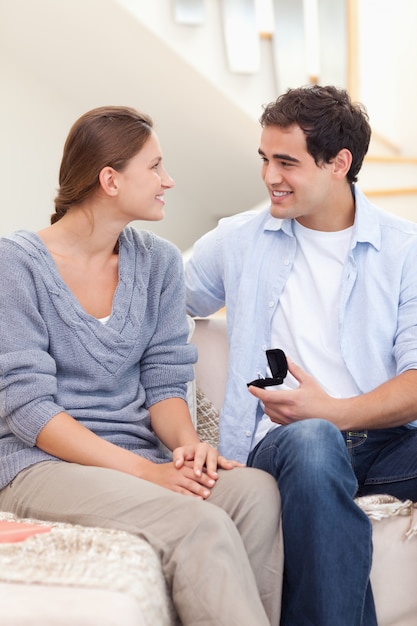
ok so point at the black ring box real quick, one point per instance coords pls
(278, 365)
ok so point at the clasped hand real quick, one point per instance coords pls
(193, 470)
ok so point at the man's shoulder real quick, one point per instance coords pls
(385, 219)
(403, 225)
(247, 220)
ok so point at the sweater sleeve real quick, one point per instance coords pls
(167, 363)
(27, 371)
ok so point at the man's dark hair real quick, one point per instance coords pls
(329, 119)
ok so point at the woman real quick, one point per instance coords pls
(94, 362)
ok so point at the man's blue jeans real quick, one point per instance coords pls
(327, 538)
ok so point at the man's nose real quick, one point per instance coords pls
(272, 175)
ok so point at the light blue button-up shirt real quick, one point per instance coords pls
(244, 263)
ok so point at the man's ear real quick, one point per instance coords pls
(342, 162)
(108, 181)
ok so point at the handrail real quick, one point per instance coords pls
(352, 22)
(377, 158)
(401, 191)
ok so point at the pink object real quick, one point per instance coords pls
(11, 532)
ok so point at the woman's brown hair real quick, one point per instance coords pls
(105, 136)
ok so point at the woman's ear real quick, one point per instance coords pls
(108, 181)
(342, 163)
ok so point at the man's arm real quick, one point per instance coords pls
(203, 278)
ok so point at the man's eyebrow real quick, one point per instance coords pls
(281, 157)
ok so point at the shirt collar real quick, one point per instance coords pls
(276, 223)
(366, 228)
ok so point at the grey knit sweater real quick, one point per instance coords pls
(55, 357)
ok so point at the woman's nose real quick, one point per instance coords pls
(167, 181)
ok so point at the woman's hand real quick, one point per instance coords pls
(194, 462)
(204, 459)
(182, 479)
(193, 470)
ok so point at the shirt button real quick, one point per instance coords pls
(248, 433)
(286, 262)
(271, 304)
(264, 347)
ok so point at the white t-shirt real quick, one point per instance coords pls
(306, 322)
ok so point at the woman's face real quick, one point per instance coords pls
(142, 183)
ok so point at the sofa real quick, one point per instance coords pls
(71, 575)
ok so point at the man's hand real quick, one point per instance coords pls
(308, 400)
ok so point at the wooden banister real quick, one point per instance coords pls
(400, 191)
(376, 158)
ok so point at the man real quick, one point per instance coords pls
(332, 280)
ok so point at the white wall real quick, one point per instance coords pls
(63, 57)
(59, 58)
(387, 70)
(388, 87)
(203, 47)
(33, 122)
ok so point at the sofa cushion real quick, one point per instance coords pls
(207, 419)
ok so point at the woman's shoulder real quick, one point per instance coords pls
(23, 244)
(148, 242)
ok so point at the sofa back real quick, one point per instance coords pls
(210, 337)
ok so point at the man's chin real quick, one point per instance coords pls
(280, 212)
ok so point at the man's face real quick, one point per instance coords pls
(298, 188)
